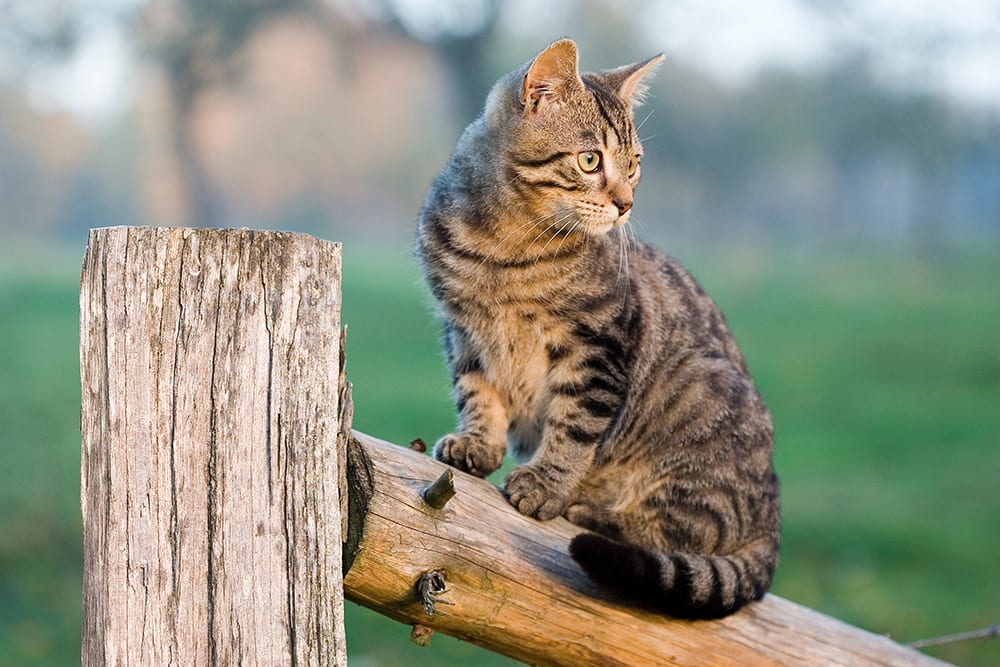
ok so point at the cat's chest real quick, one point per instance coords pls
(512, 350)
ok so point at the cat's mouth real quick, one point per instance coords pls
(600, 225)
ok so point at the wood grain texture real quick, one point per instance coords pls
(515, 590)
(210, 366)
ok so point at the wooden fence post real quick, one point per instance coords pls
(210, 480)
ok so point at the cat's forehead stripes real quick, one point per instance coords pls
(615, 114)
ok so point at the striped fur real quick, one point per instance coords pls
(596, 360)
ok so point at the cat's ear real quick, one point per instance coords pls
(629, 82)
(551, 77)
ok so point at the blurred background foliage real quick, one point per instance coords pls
(830, 171)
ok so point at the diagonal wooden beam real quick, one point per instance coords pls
(512, 587)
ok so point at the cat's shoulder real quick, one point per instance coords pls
(651, 258)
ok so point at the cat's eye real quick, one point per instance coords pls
(633, 165)
(589, 161)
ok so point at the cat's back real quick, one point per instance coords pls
(679, 313)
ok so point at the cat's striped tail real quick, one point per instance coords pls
(682, 585)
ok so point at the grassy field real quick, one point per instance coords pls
(882, 371)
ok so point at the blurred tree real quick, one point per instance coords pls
(860, 122)
(43, 30)
(40, 154)
(198, 44)
(831, 149)
(460, 32)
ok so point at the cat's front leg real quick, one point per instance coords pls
(576, 423)
(479, 446)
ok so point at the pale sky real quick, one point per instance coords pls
(952, 48)
(947, 47)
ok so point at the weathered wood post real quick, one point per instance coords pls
(210, 367)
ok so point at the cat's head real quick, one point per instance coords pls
(570, 138)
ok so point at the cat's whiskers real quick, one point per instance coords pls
(526, 225)
(569, 217)
(622, 255)
(560, 220)
(634, 225)
(624, 268)
(648, 116)
(572, 229)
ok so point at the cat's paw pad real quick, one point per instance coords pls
(467, 453)
(533, 494)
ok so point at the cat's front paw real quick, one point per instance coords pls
(470, 454)
(534, 494)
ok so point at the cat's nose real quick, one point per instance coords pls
(624, 205)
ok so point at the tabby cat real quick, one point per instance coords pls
(599, 362)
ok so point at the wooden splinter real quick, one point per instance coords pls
(441, 491)
(421, 635)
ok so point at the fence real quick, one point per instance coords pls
(228, 509)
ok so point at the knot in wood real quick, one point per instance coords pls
(431, 586)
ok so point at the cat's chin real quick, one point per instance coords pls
(602, 227)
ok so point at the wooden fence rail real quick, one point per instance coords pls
(220, 486)
(513, 588)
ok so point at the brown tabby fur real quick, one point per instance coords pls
(598, 360)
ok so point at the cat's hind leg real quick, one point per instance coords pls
(585, 516)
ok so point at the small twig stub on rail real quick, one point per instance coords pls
(441, 491)
(421, 635)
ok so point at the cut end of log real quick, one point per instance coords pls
(360, 488)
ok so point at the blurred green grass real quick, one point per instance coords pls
(882, 371)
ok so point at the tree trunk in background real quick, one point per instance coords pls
(466, 58)
(196, 188)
